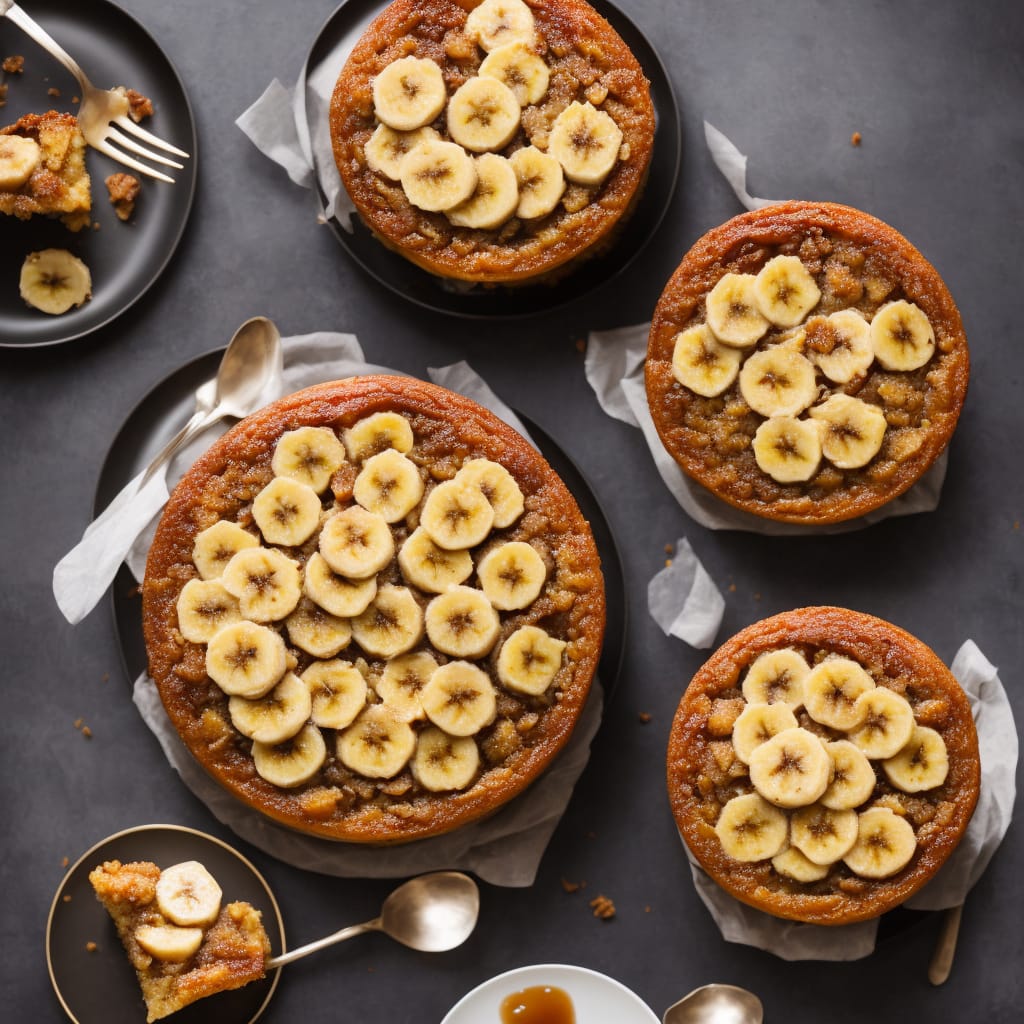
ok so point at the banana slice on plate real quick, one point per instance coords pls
(902, 336)
(204, 607)
(377, 432)
(376, 744)
(702, 363)
(923, 762)
(215, 546)
(444, 762)
(586, 142)
(831, 691)
(340, 597)
(785, 291)
(758, 723)
(540, 180)
(498, 486)
(188, 895)
(792, 769)
(788, 449)
(292, 762)
(246, 659)
(429, 567)
(496, 23)
(275, 717)
(267, 583)
(389, 485)
(54, 280)
(386, 149)
(310, 455)
(495, 198)
(483, 115)
(853, 777)
(316, 631)
(821, 834)
(391, 624)
(409, 93)
(461, 622)
(840, 345)
(791, 863)
(751, 829)
(887, 721)
(852, 430)
(337, 692)
(518, 66)
(459, 698)
(732, 311)
(778, 382)
(777, 677)
(457, 514)
(402, 682)
(512, 575)
(168, 943)
(885, 844)
(529, 660)
(437, 175)
(356, 543)
(20, 156)
(287, 512)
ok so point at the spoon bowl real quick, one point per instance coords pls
(716, 1004)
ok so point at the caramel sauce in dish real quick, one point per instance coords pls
(539, 1004)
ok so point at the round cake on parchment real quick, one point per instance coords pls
(822, 765)
(499, 141)
(373, 611)
(806, 363)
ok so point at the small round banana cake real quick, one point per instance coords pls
(495, 141)
(373, 611)
(806, 363)
(822, 765)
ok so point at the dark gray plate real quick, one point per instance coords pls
(124, 258)
(100, 987)
(344, 27)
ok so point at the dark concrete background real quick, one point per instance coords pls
(935, 88)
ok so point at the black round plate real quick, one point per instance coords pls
(344, 27)
(100, 986)
(162, 413)
(124, 258)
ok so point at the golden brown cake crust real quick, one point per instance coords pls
(583, 50)
(449, 430)
(895, 659)
(710, 437)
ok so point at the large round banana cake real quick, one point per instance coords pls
(806, 363)
(492, 141)
(373, 611)
(822, 765)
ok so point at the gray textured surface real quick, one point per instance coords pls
(936, 90)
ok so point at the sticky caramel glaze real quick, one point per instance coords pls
(893, 658)
(539, 1004)
(850, 254)
(582, 48)
(449, 429)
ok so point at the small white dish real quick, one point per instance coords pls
(596, 998)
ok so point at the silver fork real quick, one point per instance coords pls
(102, 111)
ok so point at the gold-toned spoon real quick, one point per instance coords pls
(716, 1004)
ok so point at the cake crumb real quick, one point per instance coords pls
(65, 861)
(53, 91)
(3, 95)
(581, 345)
(139, 106)
(67, 898)
(668, 563)
(570, 887)
(647, 909)
(78, 723)
(732, 588)
(124, 191)
(91, 947)
(644, 716)
(603, 907)
(14, 65)
(87, 732)
(670, 549)
(757, 597)
(855, 139)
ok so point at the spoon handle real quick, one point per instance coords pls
(945, 948)
(199, 420)
(327, 940)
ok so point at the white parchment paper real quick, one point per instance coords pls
(683, 599)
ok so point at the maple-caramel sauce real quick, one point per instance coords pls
(539, 1004)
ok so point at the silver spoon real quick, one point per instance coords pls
(945, 948)
(253, 355)
(716, 1004)
(431, 913)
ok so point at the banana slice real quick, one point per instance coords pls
(831, 691)
(791, 863)
(386, 149)
(409, 93)
(785, 291)
(777, 677)
(483, 115)
(287, 512)
(391, 624)
(529, 660)
(53, 280)
(496, 196)
(852, 430)
(444, 762)
(885, 844)
(853, 778)
(335, 594)
(376, 744)
(758, 723)
(823, 835)
(276, 717)
(429, 567)
(20, 156)
(512, 575)
(887, 721)
(901, 336)
(168, 943)
(788, 449)
(518, 66)
(316, 631)
(376, 433)
(267, 583)
(496, 23)
(778, 382)
(402, 682)
(792, 769)
(188, 895)
(457, 515)
(922, 764)
(586, 142)
(389, 485)
(310, 455)
(215, 546)
(498, 486)
(462, 623)
(701, 363)
(356, 543)
(246, 660)
(204, 607)
(540, 180)
(292, 762)
(732, 311)
(337, 692)
(750, 829)
(459, 698)
(437, 175)
(840, 344)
